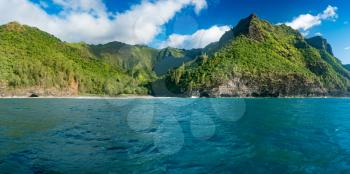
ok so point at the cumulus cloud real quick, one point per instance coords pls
(307, 21)
(82, 5)
(199, 5)
(318, 34)
(199, 39)
(90, 21)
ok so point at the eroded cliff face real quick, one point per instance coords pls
(38, 91)
(241, 87)
(69, 91)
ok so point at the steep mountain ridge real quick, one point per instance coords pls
(320, 43)
(253, 59)
(170, 58)
(33, 61)
(347, 67)
(259, 59)
(140, 59)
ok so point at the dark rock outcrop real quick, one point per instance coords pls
(34, 95)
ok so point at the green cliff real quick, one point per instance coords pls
(253, 59)
(259, 59)
(32, 61)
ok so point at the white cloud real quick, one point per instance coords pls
(199, 5)
(347, 48)
(199, 39)
(318, 34)
(89, 20)
(307, 21)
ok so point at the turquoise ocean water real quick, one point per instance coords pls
(175, 136)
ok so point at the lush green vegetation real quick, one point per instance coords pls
(34, 61)
(137, 60)
(255, 58)
(269, 60)
(170, 58)
(32, 58)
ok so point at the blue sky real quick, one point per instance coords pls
(179, 23)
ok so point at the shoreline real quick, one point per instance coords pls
(79, 97)
(155, 97)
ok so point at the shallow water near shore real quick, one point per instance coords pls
(174, 135)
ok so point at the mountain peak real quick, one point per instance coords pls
(253, 16)
(250, 27)
(249, 20)
(14, 26)
(320, 43)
